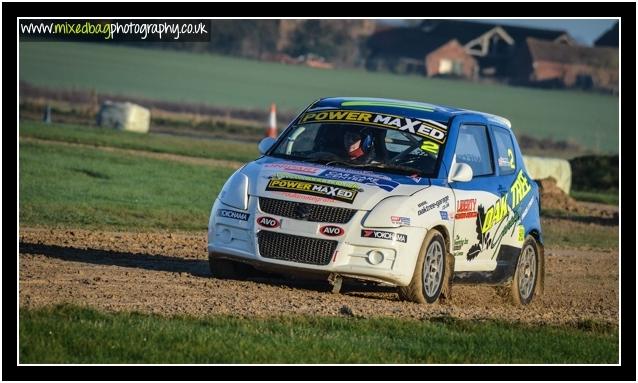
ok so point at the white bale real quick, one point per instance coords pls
(124, 116)
(559, 169)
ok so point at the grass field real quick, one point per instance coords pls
(66, 334)
(77, 187)
(214, 149)
(576, 231)
(586, 118)
(610, 197)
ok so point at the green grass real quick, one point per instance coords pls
(77, 187)
(66, 334)
(569, 230)
(609, 197)
(215, 149)
(586, 118)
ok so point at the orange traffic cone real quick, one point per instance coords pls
(272, 128)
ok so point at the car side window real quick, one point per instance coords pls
(505, 151)
(397, 142)
(473, 148)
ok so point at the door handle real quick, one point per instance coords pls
(502, 190)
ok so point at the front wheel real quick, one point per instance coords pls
(431, 273)
(528, 274)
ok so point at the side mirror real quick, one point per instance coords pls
(266, 144)
(460, 172)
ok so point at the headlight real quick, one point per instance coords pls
(235, 191)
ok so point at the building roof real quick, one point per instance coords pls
(609, 38)
(601, 57)
(466, 31)
(412, 109)
(463, 31)
(405, 42)
(519, 34)
(417, 42)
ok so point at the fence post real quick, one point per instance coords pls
(47, 114)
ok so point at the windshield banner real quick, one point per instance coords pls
(429, 129)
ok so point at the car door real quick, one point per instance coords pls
(509, 234)
(505, 158)
(477, 200)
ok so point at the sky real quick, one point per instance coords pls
(585, 31)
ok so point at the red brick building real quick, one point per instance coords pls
(492, 45)
(488, 49)
(451, 59)
(558, 65)
(410, 50)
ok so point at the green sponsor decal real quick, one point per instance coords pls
(389, 104)
(320, 189)
(346, 184)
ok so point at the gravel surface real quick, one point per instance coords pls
(167, 274)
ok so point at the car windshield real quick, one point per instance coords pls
(362, 146)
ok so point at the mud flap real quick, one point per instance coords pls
(541, 277)
(335, 281)
(446, 289)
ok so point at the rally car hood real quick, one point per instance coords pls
(328, 185)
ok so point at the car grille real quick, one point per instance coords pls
(306, 211)
(295, 248)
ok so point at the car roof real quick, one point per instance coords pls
(411, 109)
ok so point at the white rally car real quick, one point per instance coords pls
(405, 193)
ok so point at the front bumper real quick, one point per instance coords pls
(236, 238)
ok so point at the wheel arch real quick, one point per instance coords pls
(541, 260)
(446, 235)
(537, 236)
(446, 291)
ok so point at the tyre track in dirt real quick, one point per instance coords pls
(167, 274)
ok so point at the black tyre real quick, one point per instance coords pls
(528, 275)
(431, 273)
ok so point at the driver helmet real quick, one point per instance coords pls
(357, 143)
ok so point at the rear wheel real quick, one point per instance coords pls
(528, 273)
(431, 272)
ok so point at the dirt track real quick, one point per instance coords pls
(168, 274)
